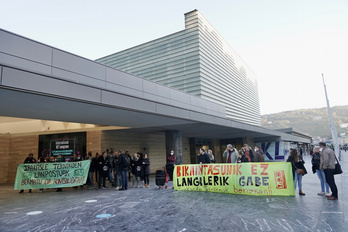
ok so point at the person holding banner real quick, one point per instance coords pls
(92, 168)
(203, 157)
(248, 152)
(212, 157)
(259, 156)
(31, 160)
(171, 159)
(103, 166)
(60, 158)
(231, 154)
(242, 157)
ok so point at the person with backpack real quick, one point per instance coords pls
(124, 164)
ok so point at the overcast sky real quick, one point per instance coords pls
(288, 44)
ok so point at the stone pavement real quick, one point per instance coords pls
(151, 209)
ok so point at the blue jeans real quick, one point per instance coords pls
(323, 182)
(298, 178)
(110, 175)
(117, 179)
(90, 176)
(124, 179)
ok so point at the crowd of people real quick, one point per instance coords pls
(232, 155)
(323, 163)
(120, 167)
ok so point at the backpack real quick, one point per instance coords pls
(126, 161)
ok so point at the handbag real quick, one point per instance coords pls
(299, 171)
(338, 169)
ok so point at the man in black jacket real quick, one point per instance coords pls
(30, 159)
(103, 166)
(92, 168)
(203, 158)
(124, 164)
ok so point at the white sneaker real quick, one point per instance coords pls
(328, 194)
(321, 193)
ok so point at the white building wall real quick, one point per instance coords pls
(197, 61)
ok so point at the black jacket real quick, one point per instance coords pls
(204, 158)
(122, 162)
(136, 167)
(30, 160)
(146, 166)
(93, 165)
(103, 165)
(244, 159)
(296, 165)
(316, 161)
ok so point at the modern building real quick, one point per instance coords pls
(49, 96)
(198, 61)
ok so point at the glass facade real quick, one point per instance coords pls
(198, 61)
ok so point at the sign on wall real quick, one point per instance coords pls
(65, 144)
(275, 150)
(270, 179)
(64, 147)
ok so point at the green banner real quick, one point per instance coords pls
(268, 179)
(51, 175)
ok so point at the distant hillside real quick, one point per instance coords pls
(314, 122)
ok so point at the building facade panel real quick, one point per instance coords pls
(197, 61)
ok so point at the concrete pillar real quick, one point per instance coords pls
(174, 142)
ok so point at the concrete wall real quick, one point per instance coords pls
(151, 144)
(20, 147)
(14, 149)
(4, 157)
(30, 65)
(94, 142)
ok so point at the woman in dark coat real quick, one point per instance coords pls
(136, 169)
(320, 172)
(297, 163)
(146, 168)
(259, 156)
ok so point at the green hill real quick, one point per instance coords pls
(314, 122)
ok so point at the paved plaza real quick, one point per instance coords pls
(150, 209)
